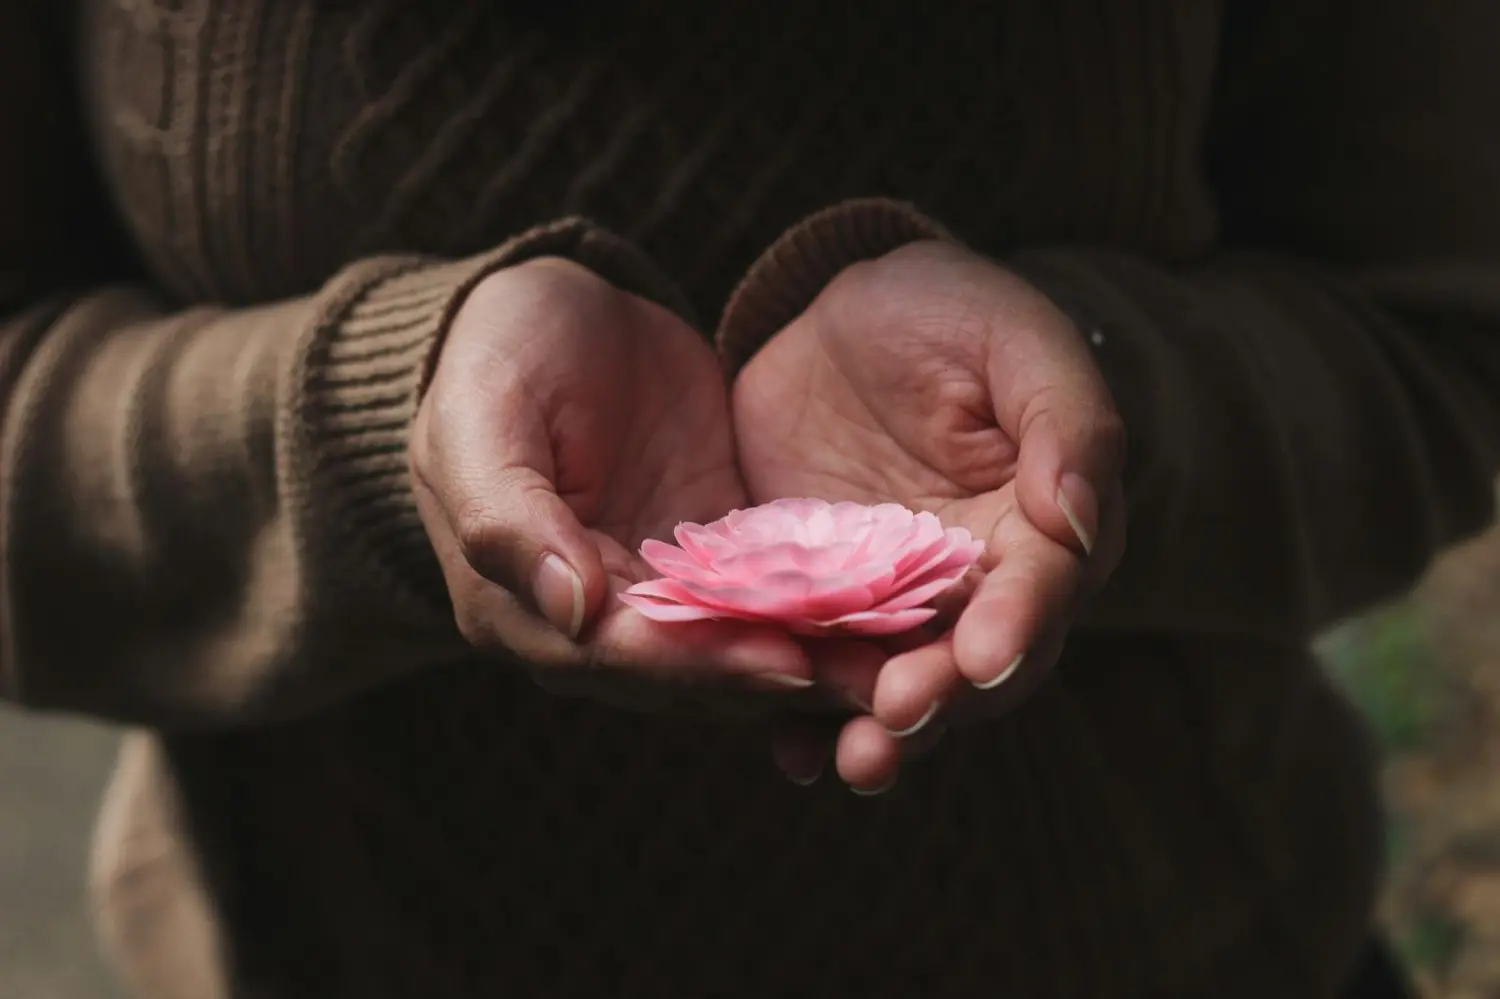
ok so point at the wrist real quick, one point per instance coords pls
(795, 269)
(363, 374)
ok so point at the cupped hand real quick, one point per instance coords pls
(937, 379)
(566, 422)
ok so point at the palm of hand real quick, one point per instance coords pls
(644, 442)
(905, 419)
(566, 422)
(939, 381)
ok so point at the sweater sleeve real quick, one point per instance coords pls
(205, 515)
(1314, 408)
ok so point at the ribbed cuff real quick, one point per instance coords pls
(362, 378)
(788, 276)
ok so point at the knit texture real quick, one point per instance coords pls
(206, 525)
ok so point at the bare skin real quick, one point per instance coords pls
(566, 422)
(939, 380)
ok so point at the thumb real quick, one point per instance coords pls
(524, 537)
(1071, 459)
(499, 497)
(1071, 437)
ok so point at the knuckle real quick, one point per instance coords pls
(603, 658)
(482, 542)
(476, 629)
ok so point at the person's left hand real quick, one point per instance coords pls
(939, 380)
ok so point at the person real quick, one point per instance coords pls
(352, 348)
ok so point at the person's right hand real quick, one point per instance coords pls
(567, 421)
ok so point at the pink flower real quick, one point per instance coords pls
(817, 568)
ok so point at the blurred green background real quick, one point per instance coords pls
(1426, 672)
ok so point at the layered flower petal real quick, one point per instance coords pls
(813, 567)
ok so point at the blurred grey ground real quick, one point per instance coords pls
(51, 774)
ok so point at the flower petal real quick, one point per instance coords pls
(875, 623)
(785, 596)
(965, 541)
(658, 610)
(954, 546)
(755, 561)
(921, 560)
(800, 508)
(674, 600)
(814, 566)
(754, 564)
(703, 544)
(669, 560)
(925, 590)
(663, 589)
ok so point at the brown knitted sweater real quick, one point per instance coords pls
(1282, 220)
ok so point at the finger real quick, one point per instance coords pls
(980, 705)
(1050, 393)
(802, 747)
(489, 617)
(627, 647)
(914, 687)
(949, 606)
(1070, 461)
(1034, 589)
(514, 530)
(698, 653)
(492, 620)
(867, 757)
(486, 454)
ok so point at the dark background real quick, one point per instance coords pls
(1426, 672)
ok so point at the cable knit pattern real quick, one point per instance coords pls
(212, 462)
(257, 146)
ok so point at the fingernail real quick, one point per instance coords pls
(780, 681)
(921, 722)
(559, 595)
(805, 780)
(1075, 484)
(1004, 675)
(858, 703)
(882, 789)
